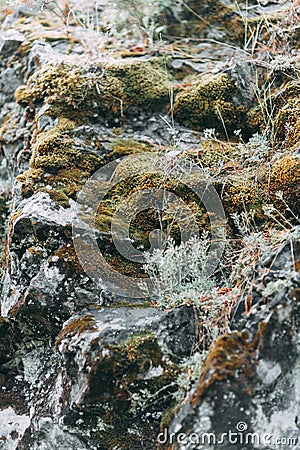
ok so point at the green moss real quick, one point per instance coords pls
(244, 191)
(57, 196)
(133, 179)
(138, 343)
(132, 165)
(51, 163)
(287, 124)
(113, 86)
(53, 82)
(135, 185)
(122, 147)
(30, 179)
(216, 154)
(257, 119)
(69, 181)
(56, 161)
(208, 104)
(54, 150)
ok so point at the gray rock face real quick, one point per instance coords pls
(36, 271)
(10, 40)
(81, 367)
(113, 377)
(248, 394)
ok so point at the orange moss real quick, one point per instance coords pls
(232, 354)
(77, 326)
(285, 177)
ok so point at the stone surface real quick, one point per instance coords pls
(210, 84)
(113, 377)
(250, 381)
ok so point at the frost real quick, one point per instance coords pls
(268, 371)
(11, 424)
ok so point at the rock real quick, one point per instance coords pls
(217, 101)
(40, 269)
(249, 383)
(10, 80)
(114, 376)
(10, 40)
(12, 427)
(82, 366)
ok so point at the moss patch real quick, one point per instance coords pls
(232, 354)
(133, 189)
(285, 177)
(123, 147)
(59, 163)
(111, 86)
(208, 104)
(77, 326)
(287, 124)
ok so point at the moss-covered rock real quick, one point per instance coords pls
(252, 365)
(208, 103)
(129, 189)
(244, 192)
(285, 178)
(110, 87)
(287, 124)
(57, 162)
(122, 147)
(127, 371)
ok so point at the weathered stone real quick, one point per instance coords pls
(81, 367)
(115, 373)
(250, 381)
(10, 40)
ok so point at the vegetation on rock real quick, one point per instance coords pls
(213, 86)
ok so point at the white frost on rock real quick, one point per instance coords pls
(12, 428)
(267, 371)
(40, 206)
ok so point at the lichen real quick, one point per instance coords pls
(216, 154)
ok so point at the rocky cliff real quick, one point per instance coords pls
(133, 129)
